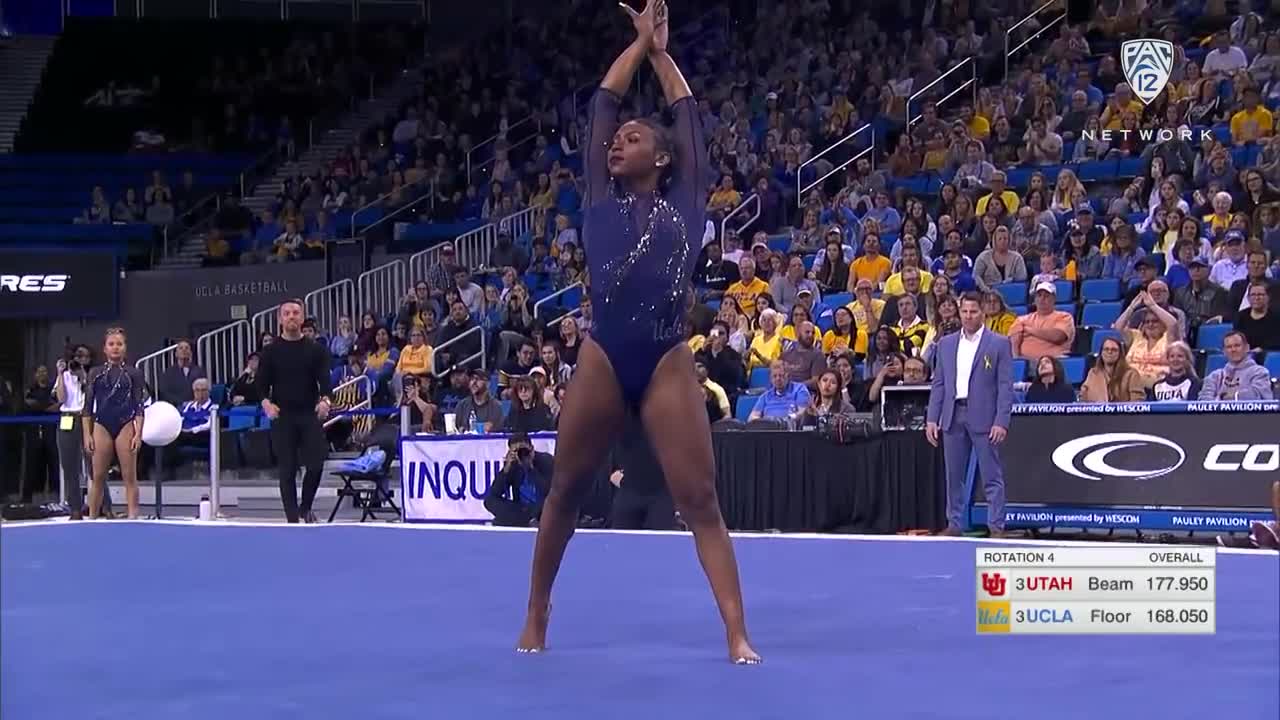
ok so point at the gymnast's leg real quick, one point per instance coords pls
(590, 419)
(675, 419)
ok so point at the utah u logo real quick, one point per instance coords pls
(1147, 65)
(993, 584)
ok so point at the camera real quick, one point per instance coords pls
(523, 452)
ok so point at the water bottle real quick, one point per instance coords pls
(206, 508)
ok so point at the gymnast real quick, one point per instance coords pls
(645, 200)
(113, 415)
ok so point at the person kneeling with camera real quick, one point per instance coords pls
(516, 495)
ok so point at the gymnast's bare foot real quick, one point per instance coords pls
(533, 639)
(741, 653)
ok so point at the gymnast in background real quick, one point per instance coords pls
(113, 414)
(643, 223)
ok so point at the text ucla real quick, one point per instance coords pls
(1043, 615)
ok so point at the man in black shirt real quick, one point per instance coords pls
(293, 380)
(714, 274)
(526, 477)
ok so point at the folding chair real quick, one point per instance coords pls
(369, 491)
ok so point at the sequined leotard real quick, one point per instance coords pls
(641, 249)
(114, 396)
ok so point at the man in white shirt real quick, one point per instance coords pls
(1233, 266)
(1224, 58)
(970, 402)
(69, 389)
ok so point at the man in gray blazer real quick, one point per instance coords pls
(969, 407)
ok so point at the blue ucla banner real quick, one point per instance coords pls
(444, 478)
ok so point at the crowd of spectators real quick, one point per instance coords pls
(1086, 246)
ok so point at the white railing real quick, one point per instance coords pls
(870, 149)
(571, 314)
(971, 84)
(435, 352)
(556, 296)
(380, 290)
(329, 303)
(1008, 34)
(366, 386)
(741, 209)
(504, 137)
(222, 351)
(154, 365)
(265, 321)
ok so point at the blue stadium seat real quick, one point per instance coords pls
(779, 243)
(1066, 307)
(713, 304)
(1101, 314)
(1100, 290)
(1074, 368)
(1018, 310)
(218, 394)
(241, 418)
(1214, 361)
(1210, 337)
(1272, 363)
(1019, 369)
(1014, 293)
(571, 297)
(1101, 334)
(1065, 289)
(835, 300)
(746, 403)
(506, 407)
(759, 378)
(808, 261)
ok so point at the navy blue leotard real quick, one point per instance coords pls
(114, 396)
(641, 249)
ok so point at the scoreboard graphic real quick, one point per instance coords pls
(1096, 590)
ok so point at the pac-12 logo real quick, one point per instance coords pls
(1147, 65)
(993, 584)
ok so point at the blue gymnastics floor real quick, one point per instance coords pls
(135, 621)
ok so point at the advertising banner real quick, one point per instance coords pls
(48, 284)
(1186, 466)
(445, 478)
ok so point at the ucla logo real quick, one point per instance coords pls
(994, 617)
(1147, 65)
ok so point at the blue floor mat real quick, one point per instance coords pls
(124, 621)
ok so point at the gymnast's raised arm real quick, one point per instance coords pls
(686, 133)
(607, 101)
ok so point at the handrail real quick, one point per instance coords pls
(1009, 33)
(153, 364)
(366, 403)
(556, 294)
(724, 224)
(384, 196)
(380, 289)
(510, 146)
(329, 303)
(800, 191)
(266, 320)
(575, 312)
(972, 81)
(384, 218)
(263, 159)
(435, 352)
(500, 135)
(222, 351)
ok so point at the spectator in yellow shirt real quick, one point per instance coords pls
(1253, 122)
(911, 270)
(1119, 104)
(871, 265)
(866, 315)
(979, 127)
(725, 198)
(748, 287)
(766, 346)
(415, 360)
(1001, 190)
